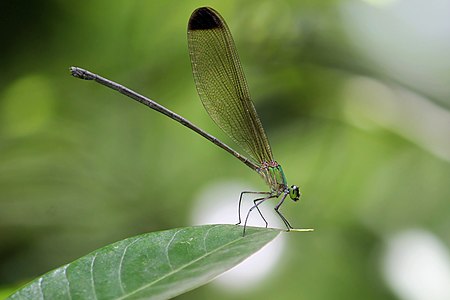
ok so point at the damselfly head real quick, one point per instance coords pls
(294, 193)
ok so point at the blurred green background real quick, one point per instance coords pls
(354, 96)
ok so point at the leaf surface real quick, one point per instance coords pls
(156, 265)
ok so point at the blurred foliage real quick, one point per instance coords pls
(82, 167)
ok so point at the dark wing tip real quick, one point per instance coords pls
(204, 18)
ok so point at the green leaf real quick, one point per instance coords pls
(157, 265)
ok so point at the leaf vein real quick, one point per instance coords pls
(64, 271)
(92, 276)
(167, 248)
(206, 235)
(40, 288)
(121, 264)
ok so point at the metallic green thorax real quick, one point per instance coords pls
(273, 175)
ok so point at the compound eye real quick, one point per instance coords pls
(294, 193)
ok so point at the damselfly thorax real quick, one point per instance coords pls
(273, 175)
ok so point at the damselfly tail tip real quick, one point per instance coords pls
(204, 18)
(81, 73)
